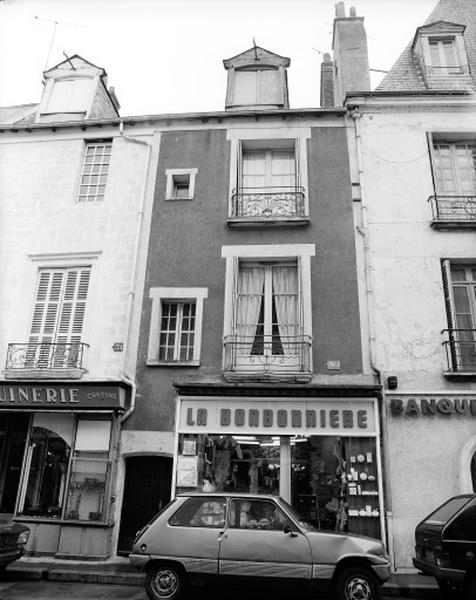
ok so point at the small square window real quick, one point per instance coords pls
(180, 184)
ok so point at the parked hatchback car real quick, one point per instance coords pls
(446, 546)
(13, 538)
(252, 538)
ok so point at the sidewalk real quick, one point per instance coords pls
(120, 572)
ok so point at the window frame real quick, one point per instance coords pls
(159, 295)
(88, 199)
(269, 139)
(271, 253)
(173, 177)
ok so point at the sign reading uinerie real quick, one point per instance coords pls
(60, 396)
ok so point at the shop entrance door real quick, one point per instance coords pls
(13, 433)
(146, 491)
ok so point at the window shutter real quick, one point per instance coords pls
(297, 165)
(73, 309)
(239, 174)
(447, 290)
(300, 299)
(47, 306)
(431, 158)
(235, 294)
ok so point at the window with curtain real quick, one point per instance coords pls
(268, 169)
(267, 319)
(256, 87)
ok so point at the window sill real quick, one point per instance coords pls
(459, 374)
(267, 376)
(178, 199)
(454, 224)
(271, 221)
(157, 363)
(53, 521)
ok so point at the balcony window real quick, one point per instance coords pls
(454, 168)
(460, 286)
(268, 182)
(269, 331)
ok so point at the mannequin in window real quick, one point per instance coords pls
(225, 447)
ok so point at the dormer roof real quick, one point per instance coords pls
(73, 63)
(450, 17)
(256, 56)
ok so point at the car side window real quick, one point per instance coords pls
(464, 526)
(206, 511)
(257, 514)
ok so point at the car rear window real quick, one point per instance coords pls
(201, 511)
(464, 525)
(444, 513)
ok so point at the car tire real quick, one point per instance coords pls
(356, 583)
(448, 589)
(164, 581)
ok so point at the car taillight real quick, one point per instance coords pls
(23, 537)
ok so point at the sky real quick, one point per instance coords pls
(165, 56)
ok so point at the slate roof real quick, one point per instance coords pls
(406, 74)
(18, 115)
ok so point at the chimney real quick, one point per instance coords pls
(351, 59)
(327, 81)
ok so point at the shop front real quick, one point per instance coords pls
(320, 454)
(57, 464)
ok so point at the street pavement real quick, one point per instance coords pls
(58, 590)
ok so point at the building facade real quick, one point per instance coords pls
(414, 166)
(252, 371)
(73, 199)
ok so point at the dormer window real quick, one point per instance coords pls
(444, 56)
(256, 87)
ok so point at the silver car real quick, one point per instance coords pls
(255, 538)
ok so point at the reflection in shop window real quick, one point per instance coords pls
(47, 465)
(90, 472)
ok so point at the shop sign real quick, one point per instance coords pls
(65, 397)
(345, 417)
(433, 406)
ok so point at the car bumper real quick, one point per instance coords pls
(9, 556)
(382, 572)
(453, 575)
(139, 561)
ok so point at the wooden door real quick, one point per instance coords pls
(146, 491)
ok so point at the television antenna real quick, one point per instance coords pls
(53, 34)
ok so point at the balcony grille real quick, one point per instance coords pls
(269, 202)
(276, 355)
(453, 208)
(45, 356)
(460, 350)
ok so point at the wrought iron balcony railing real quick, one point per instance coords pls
(460, 350)
(268, 202)
(45, 356)
(449, 208)
(268, 355)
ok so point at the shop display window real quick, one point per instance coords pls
(68, 465)
(223, 463)
(334, 483)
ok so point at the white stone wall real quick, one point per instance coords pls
(41, 222)
(406, 299)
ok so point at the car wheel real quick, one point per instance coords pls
(448, 590)
(164, 582)
(356, 583)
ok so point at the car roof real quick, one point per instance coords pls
(246, 495)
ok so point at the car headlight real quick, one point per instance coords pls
(23, 537)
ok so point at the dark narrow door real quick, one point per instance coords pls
(146, 491)
(14, 428)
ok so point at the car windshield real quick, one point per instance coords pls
(297, 517)
(445, 512)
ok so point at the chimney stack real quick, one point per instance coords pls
(327, 81)
(351, 59)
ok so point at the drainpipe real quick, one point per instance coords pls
(364, 231)
(131, 293)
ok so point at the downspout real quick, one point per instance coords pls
(131, 293)
(356, 115)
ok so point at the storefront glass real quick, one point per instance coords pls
(68, 468)
(332, 479)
